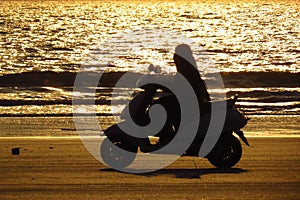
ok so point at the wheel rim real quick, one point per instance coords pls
(226, 153)
(117, 155)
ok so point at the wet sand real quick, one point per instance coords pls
(61, 168)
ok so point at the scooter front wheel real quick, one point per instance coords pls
(226, 153)
(117, 155)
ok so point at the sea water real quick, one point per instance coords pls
(44, 44)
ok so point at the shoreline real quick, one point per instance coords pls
(71, 115)
(64, 127)
(97, 137)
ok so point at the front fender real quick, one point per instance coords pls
(234, 120)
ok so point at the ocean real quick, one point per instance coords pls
(254, 45)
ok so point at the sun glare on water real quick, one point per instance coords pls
(239, 35)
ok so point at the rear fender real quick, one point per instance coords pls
(114, 133)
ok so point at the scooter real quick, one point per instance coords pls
(226, 152)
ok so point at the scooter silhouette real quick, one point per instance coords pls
(226, 152)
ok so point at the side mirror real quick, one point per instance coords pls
(151, 68)
(235, 98)
(157, 70)
(232, 101)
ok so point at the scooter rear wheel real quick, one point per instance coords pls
(117, 155)
(226, 153)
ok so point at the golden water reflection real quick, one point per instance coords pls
(238, 35)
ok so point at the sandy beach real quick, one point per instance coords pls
(61, 168)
